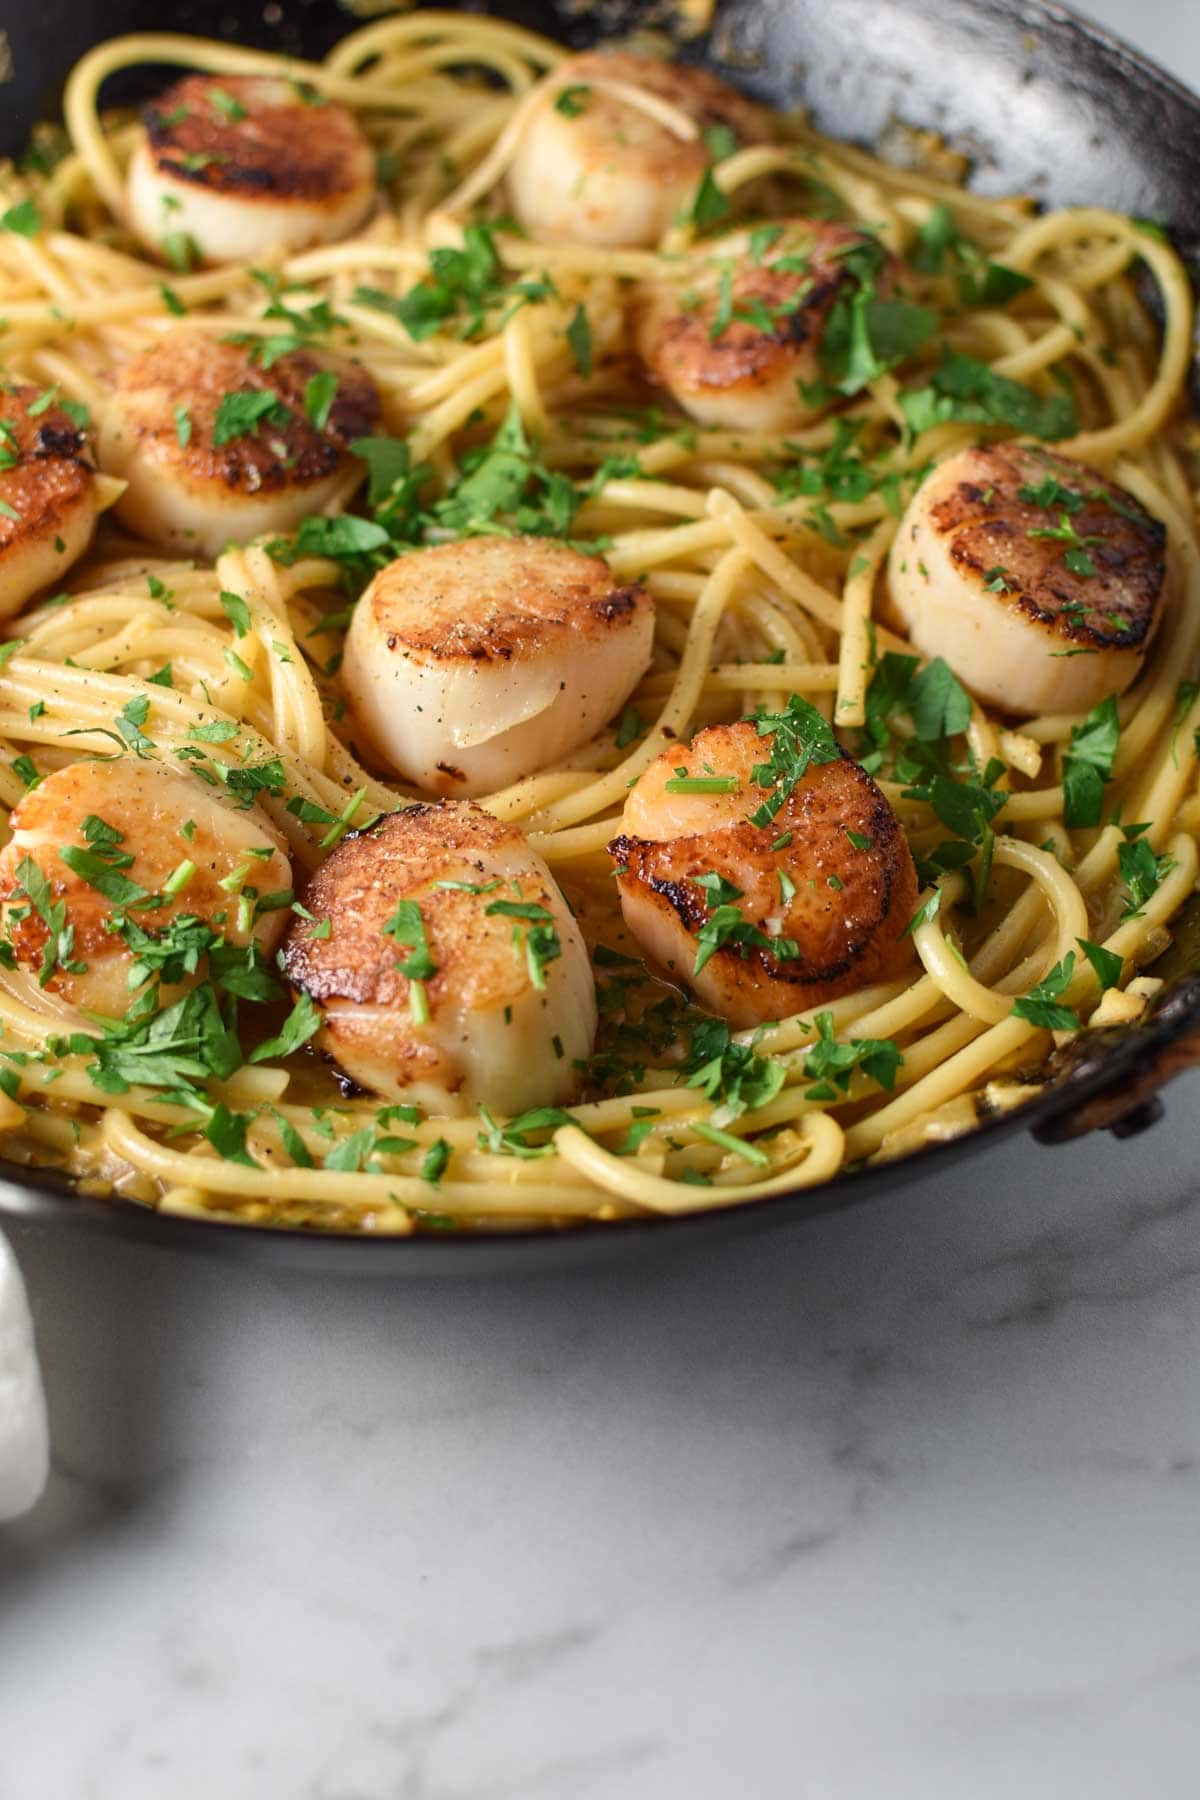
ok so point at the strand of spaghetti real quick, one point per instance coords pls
(299, 721)
(328, 1188)
(490, 171)
(949, 970)
(801, 678)
(820, 1139)
(962, 1070)
(673, 720)
(855, 661)
(1046, 234)
(363, 46)
(521, 370)
(963, 203)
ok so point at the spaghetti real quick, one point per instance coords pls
(764, 553)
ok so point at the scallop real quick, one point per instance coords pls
(50, 497)
(156, 827)
(593, 167)
(217, 449)
(763, 919)
(469, 665)
(446, 966)
(1038, 580)
(233, 166)
(739, 346)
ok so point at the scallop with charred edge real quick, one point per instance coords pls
(272, 467)
(739, 346)
(148, 805)
(1040, 582)
(593, 168)
(49, 501)
(238, 165)
(829, 877)
(507, 1005)
(471, 664)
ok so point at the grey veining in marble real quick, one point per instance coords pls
(905, 1503)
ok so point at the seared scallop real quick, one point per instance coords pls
(739, 345)
(217, 449)
(593, 167)
(131, 821)
(49, 496)
(471, 664)
(1040, 582)
(235, 165)
(446, 966)
(765, 899)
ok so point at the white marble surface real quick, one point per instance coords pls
(905, 1504)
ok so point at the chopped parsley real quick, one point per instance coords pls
(571, 101)
(579, 337)
(729, 1073)
(800, 736)
(236, 611)
(407, 926)
(1088, 763)
(1106, 963)
(966, 391)
(319, 395)
(830, 1064)
(241, 412)
(1142, 872)
(23, 218)
(1042, 1005)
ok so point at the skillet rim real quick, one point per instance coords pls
(28, 1196)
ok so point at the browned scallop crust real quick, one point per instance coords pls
(357, 889)
(489, 599)
(703, 96)
(678, 345)
(851, 905)
(988, 525)
(191, 370)
(283, 149)
(52, 473)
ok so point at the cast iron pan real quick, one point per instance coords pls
(1045, 104)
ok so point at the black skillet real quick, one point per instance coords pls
(1044, 104)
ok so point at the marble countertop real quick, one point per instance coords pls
(903, 1503)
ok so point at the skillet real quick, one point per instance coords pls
(1045, 104)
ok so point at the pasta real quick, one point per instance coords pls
(766, 552)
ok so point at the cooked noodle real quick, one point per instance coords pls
(760, 594)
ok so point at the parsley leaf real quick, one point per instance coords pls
(726, 929)
(301, 1024)
(1107, 964)
(320, 392)
(831, 1064)
(709, 205)
(967, 391)
(1087, 765)
(23, 218)
(242, 410)
(731, 1073)
(1041, 1005)
(579, 337)
(236, 611)
(1142, 873)
(512, 1138)
(800, 736)
(571, 101)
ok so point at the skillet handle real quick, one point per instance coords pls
(1115, 1080)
